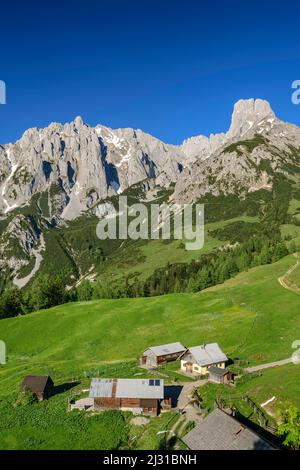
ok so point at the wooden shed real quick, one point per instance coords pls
(155, 355)
(137, 395)
(218, 375)
(39, 385)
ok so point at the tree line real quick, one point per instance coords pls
(212, 268)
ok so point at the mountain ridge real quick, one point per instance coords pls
(91, 163)
(51, 177)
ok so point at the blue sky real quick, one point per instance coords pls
(171, 68)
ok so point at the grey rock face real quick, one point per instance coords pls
(247, 115)
(132, 156)
(17, 242)
(69, 169)
(80, 165)
(201, 147)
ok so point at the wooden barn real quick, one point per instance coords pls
(137, 395)
(39, 385)
(155, 355)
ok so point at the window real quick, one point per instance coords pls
(153, 383)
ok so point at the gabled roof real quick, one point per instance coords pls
(35, 383)
(127, 388)
(165, 349)
(206, 354)
(218, 371)
(219, 431)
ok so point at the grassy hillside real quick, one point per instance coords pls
(76, 248)
(251, 316)
(294, 278)
(281, 383)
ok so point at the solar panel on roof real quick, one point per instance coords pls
(157, 383)
(151, 382)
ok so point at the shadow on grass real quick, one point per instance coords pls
(62, 388)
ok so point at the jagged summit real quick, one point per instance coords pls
(245, 159)
(247, 113)
(78, 122)
(255, 107)
(83, 164)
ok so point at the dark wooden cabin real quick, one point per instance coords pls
(39, 385)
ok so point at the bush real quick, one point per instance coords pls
(85, 291)
(10, 302)
(26, 397)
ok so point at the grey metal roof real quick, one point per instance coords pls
(220, 431)
(101, 388)
(140, 388)
(127, 388)
(218, 371)
(206, 354)
(164, 349)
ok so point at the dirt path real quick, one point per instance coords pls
(185, 397)
(185, 405)
(269, 365)
(38, 259)
(282, 280)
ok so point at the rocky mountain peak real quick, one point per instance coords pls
(78, 122)
(252, 115)
(247, 113)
